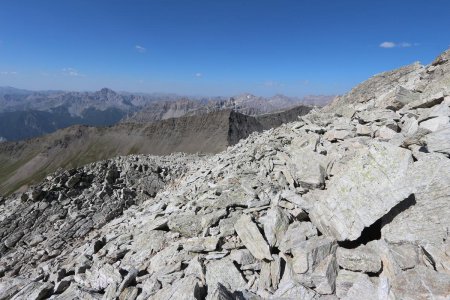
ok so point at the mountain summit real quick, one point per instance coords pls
(349, 202)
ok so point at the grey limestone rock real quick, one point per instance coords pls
(224, 272)
(252, 238)
(362, 259)
(421, 283)
(308, 254)
(275, 223)
(363, 193)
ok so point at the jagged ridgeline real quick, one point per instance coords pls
(349, 202)
(25, 162)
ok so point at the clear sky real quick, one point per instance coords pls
(215, 47)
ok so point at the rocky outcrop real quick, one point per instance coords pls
(318, 208)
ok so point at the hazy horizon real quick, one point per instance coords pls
(214, 48)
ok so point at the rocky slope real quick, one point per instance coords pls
(25, 162)
(352, 205)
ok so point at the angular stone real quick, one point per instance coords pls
(252, 238)
(409, 125)
(10, 286)
(363, 130)
(129, 279)
(338, 135)
(34, 291)
(129, 293)
(224, 272)
(275, 271)
(362, 288)
(362, 193)
(13, 239)
(187, 288)
(429, 101)
(201, 244)
(275, 223)
(310, 253)
(75, 292)
(439, 141)
(421, 283)
(369, 116)
(406, 256)
(293, 237)
(219, 292)
(425, 217)
(292, 290)
(188, 225)
(149, 287)
(308, 168)
(100, 276)
(296, 199)
(324, 275)
(345, 280)
(435, 124)
(264, 280)
(242, 257)
(402, 97)
(361, 259)
(437, 258)
(63, 284)
(385, 133)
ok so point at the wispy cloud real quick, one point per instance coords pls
(5, 73)
(140, 49)
(388, 45)
(72, 72)
(198, 75)
(272, 84)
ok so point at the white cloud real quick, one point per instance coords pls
(272, 84)
(388, 45)
(8, 73)
(140, 49)
(72, 72)
(198, 75)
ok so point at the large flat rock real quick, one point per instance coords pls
(362, 193)
(428, 219)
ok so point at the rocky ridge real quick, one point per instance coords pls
(26, 162)
(247, 104)
(351, 202)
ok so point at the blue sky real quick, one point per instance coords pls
(213, 47)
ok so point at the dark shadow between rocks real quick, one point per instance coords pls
(373, 232)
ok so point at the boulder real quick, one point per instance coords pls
(275, 223)
(439, 141)
(224, 272)
(364, 192)
(362, 259)
(421, 283)
(252, 238)
(425, 217)
(187, 288)
(308, 254)
(201, 244)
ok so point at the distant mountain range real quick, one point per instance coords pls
(25, 114)
(247, 104)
